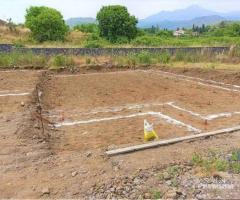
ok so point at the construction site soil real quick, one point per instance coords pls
(56, 127)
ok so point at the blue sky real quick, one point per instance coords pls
(88, 8)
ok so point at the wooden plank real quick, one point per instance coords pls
(170, 141)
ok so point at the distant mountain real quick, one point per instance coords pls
(80, 20)
(173, 25)
(175, 19)
(232, 15)
(186, 18)
(180, 15)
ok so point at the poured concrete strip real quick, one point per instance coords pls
(218, 87)
(170, 141)
(173, 121)
(221, 115)
(115, 109)
(172, 75)
(15, 94)
(9, 91)
(99, 120)
(207, 117)
(125, 107)
(200, 79)
(185, 110)
(158, 114)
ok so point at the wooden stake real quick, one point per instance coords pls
(170, 141)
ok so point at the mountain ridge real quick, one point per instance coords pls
(184, 17)
(175, 19)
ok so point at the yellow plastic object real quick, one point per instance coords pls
(149, 133)
(149, 136)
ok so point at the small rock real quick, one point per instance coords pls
(166, 176)
(112, 189)
(137, 181)
(147, 196)
(171, 194)
(88, 154)
(22, 104)
(169, 182)
(180, 194)
(61, 175)
(34, 188)
(45, 191)
(116, 168)
(84, 172)
(115, 163)
(36, 126)
(74, 174)
(34, 137)
(75, 193)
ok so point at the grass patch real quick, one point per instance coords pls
(204, 56)
(156, 194)
(62, 61)
(236, 156)
(215, 163)
(209, 61)
(18, 59)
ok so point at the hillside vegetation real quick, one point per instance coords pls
(98, 35)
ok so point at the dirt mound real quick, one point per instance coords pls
(2, 23)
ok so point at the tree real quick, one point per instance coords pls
(46, 24)
(115, 23)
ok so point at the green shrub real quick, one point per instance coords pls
(88, 60)
(122, 40)
(156, 194)
(197, 159)
(235, 155)
(221, 165)
(144, 58)
(132, 60)
(46, 24)
(235, 167)
(18, 44)
(164, 57)
(87, 28)
(94, 41)
(179, 56)
(93, 44)
(62, 61)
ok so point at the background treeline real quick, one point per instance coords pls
(115, 27)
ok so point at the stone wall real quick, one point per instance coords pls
(5, 47)
(109, 51)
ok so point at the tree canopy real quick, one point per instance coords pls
(46, 24)
(116, 24)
